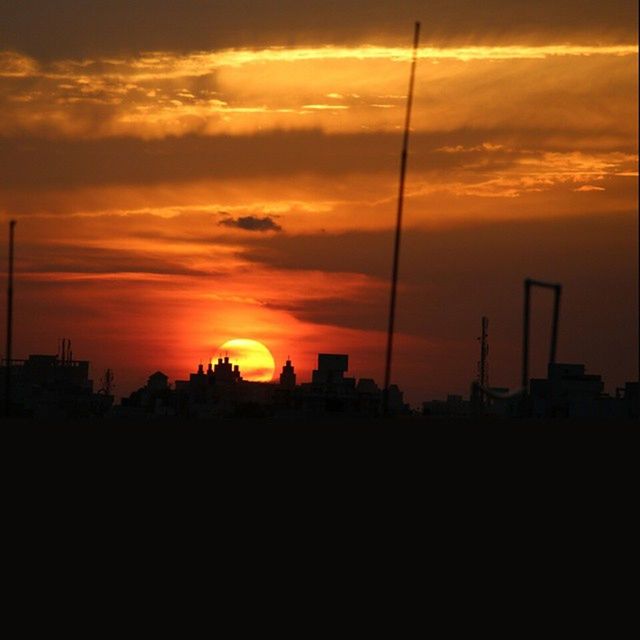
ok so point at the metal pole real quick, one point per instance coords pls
(525, 335)
(7, 380)
(483, 351)
(556, 317)
(396, 246)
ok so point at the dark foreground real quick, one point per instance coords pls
(410, 463)
(330, 424)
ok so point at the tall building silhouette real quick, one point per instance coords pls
(288, 376)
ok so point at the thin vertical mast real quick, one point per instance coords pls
(9, 356)
(396, 247)
(484, 352)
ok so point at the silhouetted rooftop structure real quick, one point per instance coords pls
(52, 385)
(158, 381)
(288, 376)
(331, 368)
(330, 391)
(568, 391)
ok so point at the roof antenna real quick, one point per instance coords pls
(396, 248)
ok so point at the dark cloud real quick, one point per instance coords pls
(451, 277)
(471, 259)
(364, 314)
(64, 258)
(252, 223)
(40, 164)
(70, 28)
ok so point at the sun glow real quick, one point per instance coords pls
(255, 360)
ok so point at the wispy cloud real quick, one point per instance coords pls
(240, 91)
(164, 65)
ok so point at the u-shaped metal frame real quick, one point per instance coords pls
(557, 288)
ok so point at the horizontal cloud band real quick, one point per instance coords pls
(164, 65)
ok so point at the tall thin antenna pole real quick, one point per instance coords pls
(484, 352)
(396, 246)
(9, 356)
(525, 334)
(557, 290)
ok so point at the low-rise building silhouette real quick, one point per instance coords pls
(158, 382)
(568, 391)
(221, 391)
(52, 386)
(454, 405)
(330, 391)
(155, 397)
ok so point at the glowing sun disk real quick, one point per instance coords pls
(255, 360)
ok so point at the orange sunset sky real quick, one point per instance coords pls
(188, 173)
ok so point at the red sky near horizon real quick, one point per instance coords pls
(186, 175)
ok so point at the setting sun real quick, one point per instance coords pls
(255, 360)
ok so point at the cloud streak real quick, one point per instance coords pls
(157, 65)
(245, 91)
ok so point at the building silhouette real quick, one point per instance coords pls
(158, 382)
(569, 392)
(330, 391)
(155, 397)
(288, 376)
(221, 391)
(52, 386)
(454, 405)
(217, 391)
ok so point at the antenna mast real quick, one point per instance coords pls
(9, 355)
(396, 246)
(483, 365)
